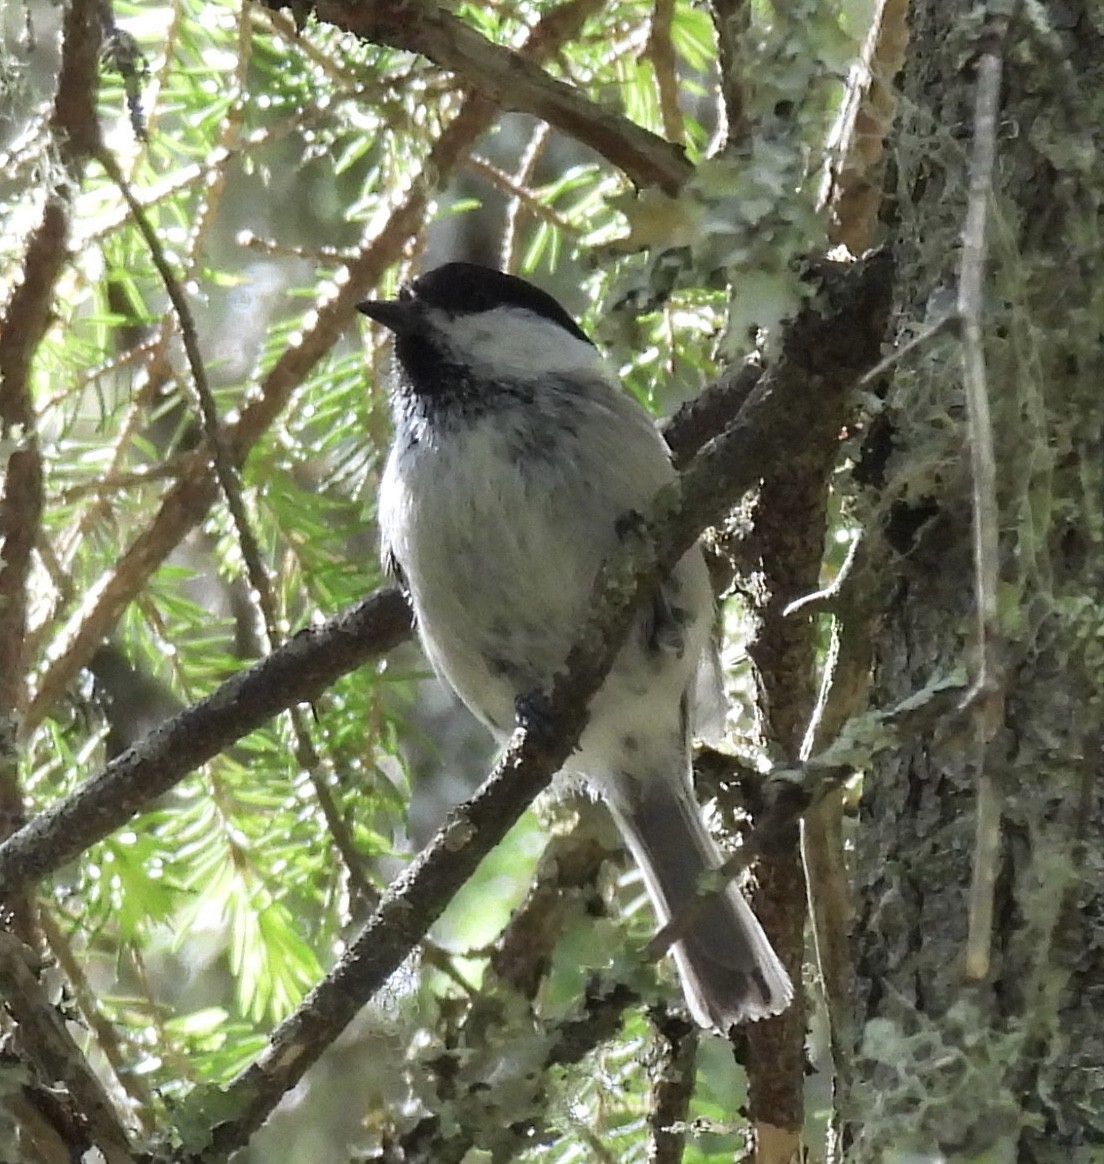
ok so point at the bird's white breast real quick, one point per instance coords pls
(500, 522)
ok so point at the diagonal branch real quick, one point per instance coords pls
(296, 673)
(509, 80)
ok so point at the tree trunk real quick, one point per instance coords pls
(1011, 1068)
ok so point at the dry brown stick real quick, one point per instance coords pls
(189, 499)
(509, 80)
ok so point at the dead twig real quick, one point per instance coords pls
(987, 695)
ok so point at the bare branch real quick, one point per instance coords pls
(297, 672)
(987, 694)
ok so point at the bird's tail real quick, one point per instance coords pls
(728, 969)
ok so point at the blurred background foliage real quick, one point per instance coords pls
(271, 160)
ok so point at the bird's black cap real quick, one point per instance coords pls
(466, 289)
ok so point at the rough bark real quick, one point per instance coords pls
(1008, 1068)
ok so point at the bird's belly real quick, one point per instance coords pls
(500, 565)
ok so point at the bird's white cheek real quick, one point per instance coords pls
(510, 344)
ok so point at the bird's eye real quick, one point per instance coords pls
(406, 292)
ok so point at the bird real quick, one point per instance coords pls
(516, 457)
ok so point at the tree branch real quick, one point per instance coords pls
(295, 673)
(509, 80)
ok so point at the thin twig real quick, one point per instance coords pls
(971, 313)
(106, 1037)
(230, 485)
(661, 52)
(986, 696)
(517, 185)
(948, 322)
(224, 465)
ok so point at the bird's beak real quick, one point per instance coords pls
(398, 315)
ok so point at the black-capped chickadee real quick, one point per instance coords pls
(515, 453)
